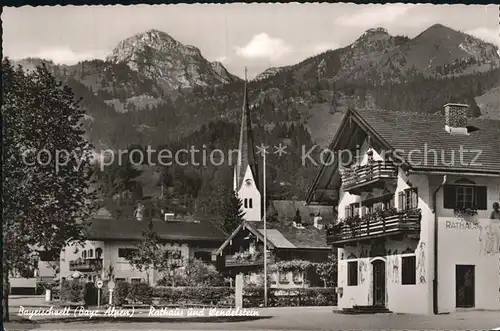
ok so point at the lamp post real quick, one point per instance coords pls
(265, 227)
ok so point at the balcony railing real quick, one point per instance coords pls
(242, 260)
(375, 225)
(85, 265)
(364, 176)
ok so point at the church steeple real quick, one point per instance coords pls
(246, 155)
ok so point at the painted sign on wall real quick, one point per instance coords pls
(461, 225)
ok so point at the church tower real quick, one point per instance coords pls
(246, 177)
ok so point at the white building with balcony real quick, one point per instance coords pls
(109, 241)
(414, 203)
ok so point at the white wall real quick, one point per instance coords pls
(250, 192)
(396, 294)
(462, 244)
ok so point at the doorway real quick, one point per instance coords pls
(378, 283)
(465, 286)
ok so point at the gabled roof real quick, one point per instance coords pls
(411, 135)
(286, 211)
(412, 131)
(130, 229)
(307, 238)
(282, 236)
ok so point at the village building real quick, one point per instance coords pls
(110, 241)
(295, 231)
(414, 194)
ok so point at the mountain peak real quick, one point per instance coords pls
(378, 30)
(158, 56)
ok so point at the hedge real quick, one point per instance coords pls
(309, 296)
(216, 296)
(72, 291)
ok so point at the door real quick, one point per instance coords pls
(90, 294)
(465, 286)
(378, 283)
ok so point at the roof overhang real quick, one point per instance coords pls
(453, 171)
(243, 226)
(352, 128)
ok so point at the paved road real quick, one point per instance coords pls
(299, 319)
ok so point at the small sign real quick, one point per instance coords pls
(99, 284)
(111, 285)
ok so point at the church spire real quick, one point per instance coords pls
(246, 155)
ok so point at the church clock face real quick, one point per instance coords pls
(248, 182)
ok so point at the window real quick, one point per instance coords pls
(246, 203)
(283, 277)
(352, 209)
(204, 256)
(408, 199)
(84, 254)
(352, 273)
(408, 270)
(125, 252)
(135, 280)
(297, 277)
(388, 204)
(48, 256)
(465, 196)
(250, 203)
(98, 253)
(119, 280)
(91, 254)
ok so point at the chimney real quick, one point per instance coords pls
(316, 222)
(455, 118)
(139, 212)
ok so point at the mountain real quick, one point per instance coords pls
(378, 57)
(162, 58)
(153, 90)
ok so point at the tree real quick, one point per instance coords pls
(199, 273)
(149, 254)
(47, 170)
(327, 270)
(233, 213)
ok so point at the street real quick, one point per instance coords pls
(302, 318)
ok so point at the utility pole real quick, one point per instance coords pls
(265, 227)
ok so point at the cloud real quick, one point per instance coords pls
(222, 59)
(375, 15)
(486, 34)
(323, 47)
(262, 46)
(66, 55)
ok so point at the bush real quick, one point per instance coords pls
(120, 293)
(141, 293)
(311, 296)
(194, 295)
(72, 291)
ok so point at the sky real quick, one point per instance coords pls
(257, 36)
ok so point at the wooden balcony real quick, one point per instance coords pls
(372, 227)
(85, 265)
(232, 261)
(367, 177)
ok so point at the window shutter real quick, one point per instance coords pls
(481, 198)
(401, 196)
(347, 211)
(414, 198)
(449, 197)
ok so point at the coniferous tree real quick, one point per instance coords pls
(233, 212)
